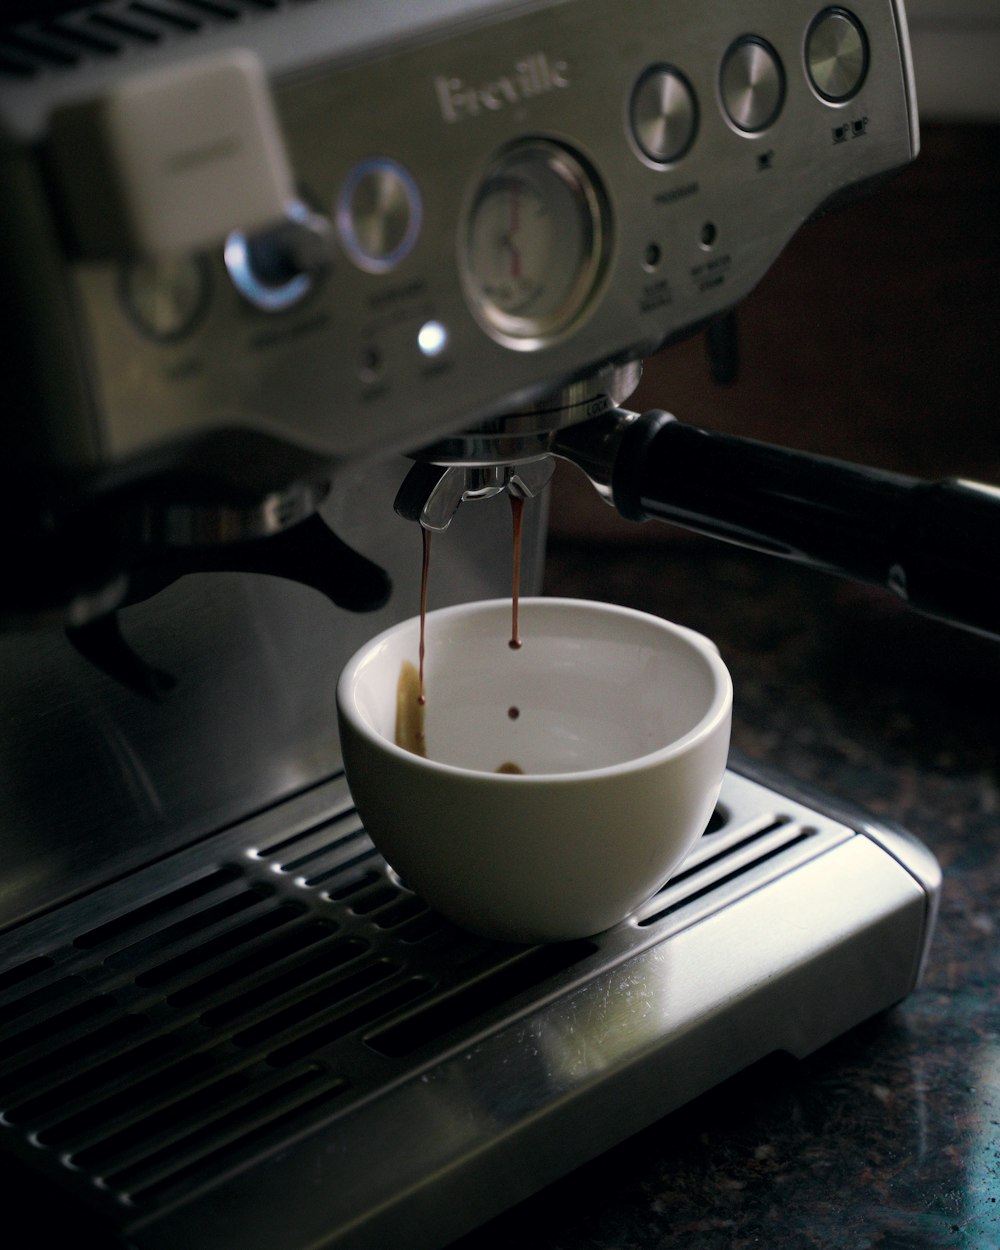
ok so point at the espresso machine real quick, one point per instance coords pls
(288, 281)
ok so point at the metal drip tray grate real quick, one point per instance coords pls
(172, 1030)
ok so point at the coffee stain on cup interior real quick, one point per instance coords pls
(410, 711)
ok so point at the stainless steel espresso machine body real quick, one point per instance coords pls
(262, 258)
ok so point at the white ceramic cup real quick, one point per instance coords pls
(619, 720)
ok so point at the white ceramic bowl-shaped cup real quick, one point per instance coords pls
(620, 724)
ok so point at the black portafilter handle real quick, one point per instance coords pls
(934, 543)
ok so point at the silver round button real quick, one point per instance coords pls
(836, 55)
(752, 84)
(378, 214)
(663, 114)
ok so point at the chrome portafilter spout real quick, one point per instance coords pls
(511, 453)
(432, 493)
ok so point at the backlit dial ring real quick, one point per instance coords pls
(535, 244)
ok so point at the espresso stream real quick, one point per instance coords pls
(411, 694)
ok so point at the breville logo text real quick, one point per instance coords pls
(532, 76)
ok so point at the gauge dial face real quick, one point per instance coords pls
(535, 244)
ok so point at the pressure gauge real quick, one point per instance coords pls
(535, 244)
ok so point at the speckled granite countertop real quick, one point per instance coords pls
(889, 1137)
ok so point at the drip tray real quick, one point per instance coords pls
(268, 1040)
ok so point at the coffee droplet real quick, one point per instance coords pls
(410, 711)
(515, 769)
(513, 712)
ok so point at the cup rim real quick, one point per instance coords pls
(718, 711)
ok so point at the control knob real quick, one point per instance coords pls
(276, 268)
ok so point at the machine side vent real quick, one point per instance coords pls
(70, 34)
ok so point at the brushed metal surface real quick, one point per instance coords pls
(837, 55)
(442, 107)
(663, 115)
(752, 84)
(266, 1039)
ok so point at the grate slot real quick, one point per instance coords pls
(40, 998)
(18, 11)
(86, 40)
(73, 1055)
(62, 36)
(25, 972)
(357, 1018)
(422, 927)
(348, 850)
(407, 908)
(123, 27)
(721, 881)
(195, 1100)
(39, 50)
(713, 874)
(330, 999)
(701, 861)
(277, 983)
(215, 8)
(198, 1106)
(189, 927)
(276, 1111)
(128, 1104)
(154, 911)
(356, 882)
(326, 849)
(309, 834)
(166, 17)
(363, 856)
(127, 1065)
(486, 993)
(375, 899)
(271, 970)
(240, 939)
(56, 1027)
